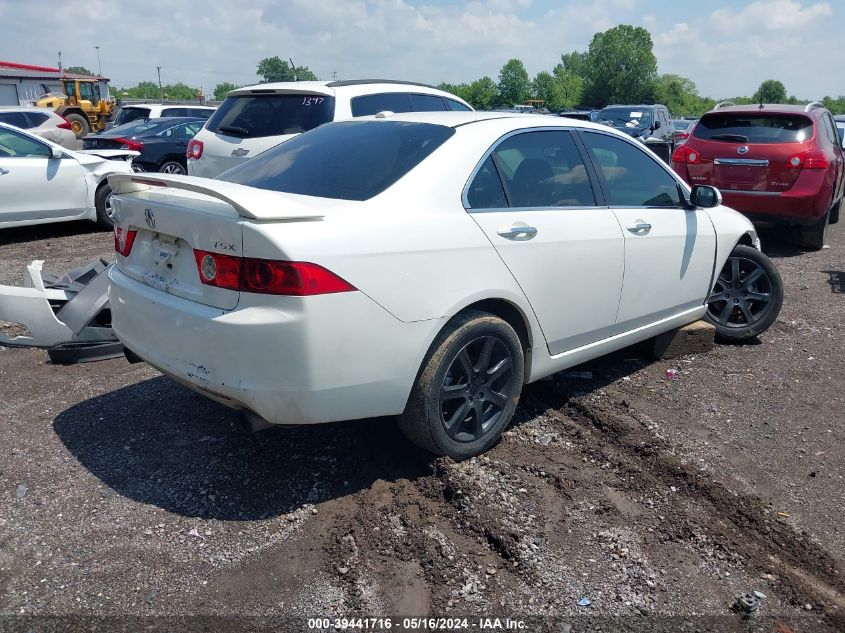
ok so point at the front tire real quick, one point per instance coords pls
(105, 210)
(747, 296)
(468, 388)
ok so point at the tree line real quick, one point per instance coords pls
(619, 66)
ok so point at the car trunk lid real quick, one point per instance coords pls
(174, 216)
(741, 151)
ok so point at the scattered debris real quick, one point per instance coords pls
(195, 532)
(52, 309)
(783, 514)
(21, 491)
(585, 602)
(671, 373)
(748, 603)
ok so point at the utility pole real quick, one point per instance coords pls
(99, 65)
(293, 68)
(60, 60)
(160, 91)
(334, 74)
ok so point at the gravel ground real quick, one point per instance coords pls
(657, 500)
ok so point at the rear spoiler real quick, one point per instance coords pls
(248, 202)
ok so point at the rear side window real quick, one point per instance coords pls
(255, 116)
(372, 104)
(200, 112)
(352, 160)
(127, 115)
(36, 118)
(751, 127)
(427, 103)
(456, 106)
(18, 119)
(543, 169)
(174, 112)
(485, 191)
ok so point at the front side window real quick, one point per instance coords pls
(543, 169)
(85, 92)
(427, 103)
(367, 105)
(351, 160)
(631, 177)
(15, 145)
(18, 119)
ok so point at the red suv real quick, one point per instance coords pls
(777, 164)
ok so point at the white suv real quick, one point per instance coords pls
(253, 119)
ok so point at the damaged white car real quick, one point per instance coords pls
(43, 182)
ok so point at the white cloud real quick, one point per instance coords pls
(773, 15)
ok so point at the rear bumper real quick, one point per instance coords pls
(777, 208)
(290, 360)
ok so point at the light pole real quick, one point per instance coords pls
(99, 65)
(160, 92)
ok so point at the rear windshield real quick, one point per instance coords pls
(131, 114)
(346, 161)
(741, 127)
(681, 125)
(254, 116)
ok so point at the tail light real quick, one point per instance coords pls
(266, 276)
(685, 154)
(194, 149)
(123, 240)
(811, 159)
(65, 124)
(128, 143)
(679, 136)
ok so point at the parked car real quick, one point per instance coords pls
(683, 128)
(129, 113)
(255, 118)
(425, 265)
(649, 124)
(40, 121)
(161, 142)
(839, 119)
(777, 164)
(41, 181)
(581, 115)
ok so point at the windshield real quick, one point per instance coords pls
(254, 116)
(627, 117)
(681, 125)
(750, 127)
(131, 114)
(346, 161)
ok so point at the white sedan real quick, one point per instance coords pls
(424, 265)
(41, 181)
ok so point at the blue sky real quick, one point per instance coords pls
(726, 47)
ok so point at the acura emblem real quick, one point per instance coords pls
(240, 152)
(150, 217)
(742, 149)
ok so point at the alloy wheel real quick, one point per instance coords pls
(476, 389)
(741, 295)
(109, 206)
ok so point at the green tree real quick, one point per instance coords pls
(483, 94)
(514, 84)
(575, 62)
(677, 93)
(221, 90)
(78, 70)
(621, 66)
(770, 91)
(276, 69)
(546, 88)
(180, 92)
(570, 84)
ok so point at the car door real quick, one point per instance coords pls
(669, 249)
(33, 184)
(535, 198)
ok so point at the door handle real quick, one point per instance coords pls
(516, 231)
(3, 172)
(640, 227)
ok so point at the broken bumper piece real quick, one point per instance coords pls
(51, 310)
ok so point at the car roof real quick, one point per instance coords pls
(27, 109)
(513, 120)
(351, 88)
(635, 105)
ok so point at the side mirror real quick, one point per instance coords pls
(56, 152)
(705, 196)
(656, 125)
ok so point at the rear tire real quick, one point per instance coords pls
(467, 389)
(105, 211)
(812, 237)
(834, 212)
(79, 124)
(747, 296)
(173, 167)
